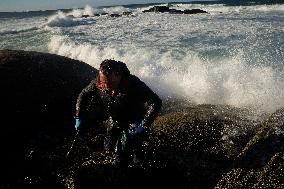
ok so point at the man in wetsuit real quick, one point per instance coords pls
(121, 99)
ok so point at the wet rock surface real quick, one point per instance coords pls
(188, 146)
(261, 163)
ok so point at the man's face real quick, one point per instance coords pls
(110, 82)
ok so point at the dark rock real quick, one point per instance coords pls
(127, 13)
(38, 96)
(268, 140)
(174, 11)
(269, 176)
(194, 11)
(260, 164)
(167, 9)
(158, 9)
(193, 136)
(230, 128)
(114, 15)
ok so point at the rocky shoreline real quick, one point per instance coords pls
(154, 9)
(189, 146)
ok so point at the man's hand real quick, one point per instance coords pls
(138, 129)
(78, 122)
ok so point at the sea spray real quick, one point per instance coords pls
(229, 81)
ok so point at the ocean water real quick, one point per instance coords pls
(233, 55)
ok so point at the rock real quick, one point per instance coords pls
(167, 9)
(127, 13)
(158, 9)
(230, 128)
(38, 96)
(269, 176)
(194, 11)
(114, 15)
(260, 164)
(85, 16)
(193, 138)
(268, 140)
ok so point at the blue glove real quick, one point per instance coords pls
(139, 128)
(78, 122)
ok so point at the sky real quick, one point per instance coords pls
(28, 5)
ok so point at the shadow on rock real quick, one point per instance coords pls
(38, 95)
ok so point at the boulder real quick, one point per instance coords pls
(167, 9)
(260, 164)
(158, 9)
(38, 96)
(194, 11)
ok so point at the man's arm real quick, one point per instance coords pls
(83, 100)
(154, 104)
(151, 99)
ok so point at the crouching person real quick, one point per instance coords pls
(124, 102)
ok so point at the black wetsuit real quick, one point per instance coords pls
(134, 102)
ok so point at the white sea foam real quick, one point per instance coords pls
(16, 30)
(117, 9)
(229, 81)
(87, 11)
(221, 8)
(60, 19)
(14, 26)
